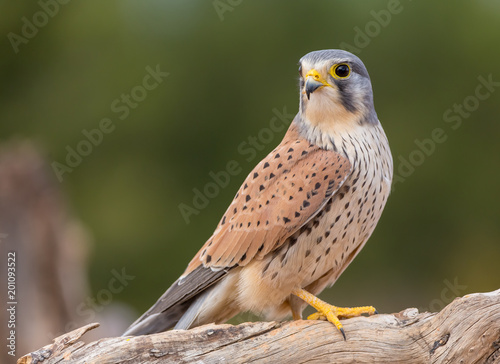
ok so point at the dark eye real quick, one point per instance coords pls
(341, 70)
(300, 70)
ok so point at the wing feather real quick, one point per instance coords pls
(281, 194)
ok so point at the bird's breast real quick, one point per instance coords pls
(315, 255)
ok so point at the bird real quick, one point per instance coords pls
(300, 217)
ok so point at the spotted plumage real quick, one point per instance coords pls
(286, 197)
(300, 217)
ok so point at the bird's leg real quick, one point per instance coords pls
(330, 312)
(296, 315)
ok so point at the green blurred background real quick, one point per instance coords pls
(230, 63)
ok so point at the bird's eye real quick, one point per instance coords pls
(341, 70)
(300, 70)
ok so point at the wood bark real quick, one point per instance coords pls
(466, 331)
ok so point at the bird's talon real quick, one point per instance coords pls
(343, 333)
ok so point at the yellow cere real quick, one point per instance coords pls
(316, 76)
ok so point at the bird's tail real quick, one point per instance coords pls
(179, 317)
(180, 306)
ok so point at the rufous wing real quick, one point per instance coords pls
(282, 193)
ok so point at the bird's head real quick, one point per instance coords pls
(335, 90)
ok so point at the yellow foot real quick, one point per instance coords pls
(330, 312)
(343, 312)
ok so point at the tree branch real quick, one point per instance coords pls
(466, 331)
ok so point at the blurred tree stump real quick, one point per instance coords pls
(50, 247)
(466, 331)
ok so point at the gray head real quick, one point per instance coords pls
(335, 88)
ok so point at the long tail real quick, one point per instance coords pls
(180, 317)
(179, 306)
(157, 322)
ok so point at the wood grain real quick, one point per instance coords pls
(466, 331)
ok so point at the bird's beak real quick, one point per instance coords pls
(313, 82)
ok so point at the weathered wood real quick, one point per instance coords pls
(466, 331)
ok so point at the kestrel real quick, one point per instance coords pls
(300, 217)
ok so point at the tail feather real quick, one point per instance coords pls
(179, 317)
(189, 317)
(157, 322)
(179, 306)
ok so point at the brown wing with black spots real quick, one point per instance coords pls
(283, 192)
